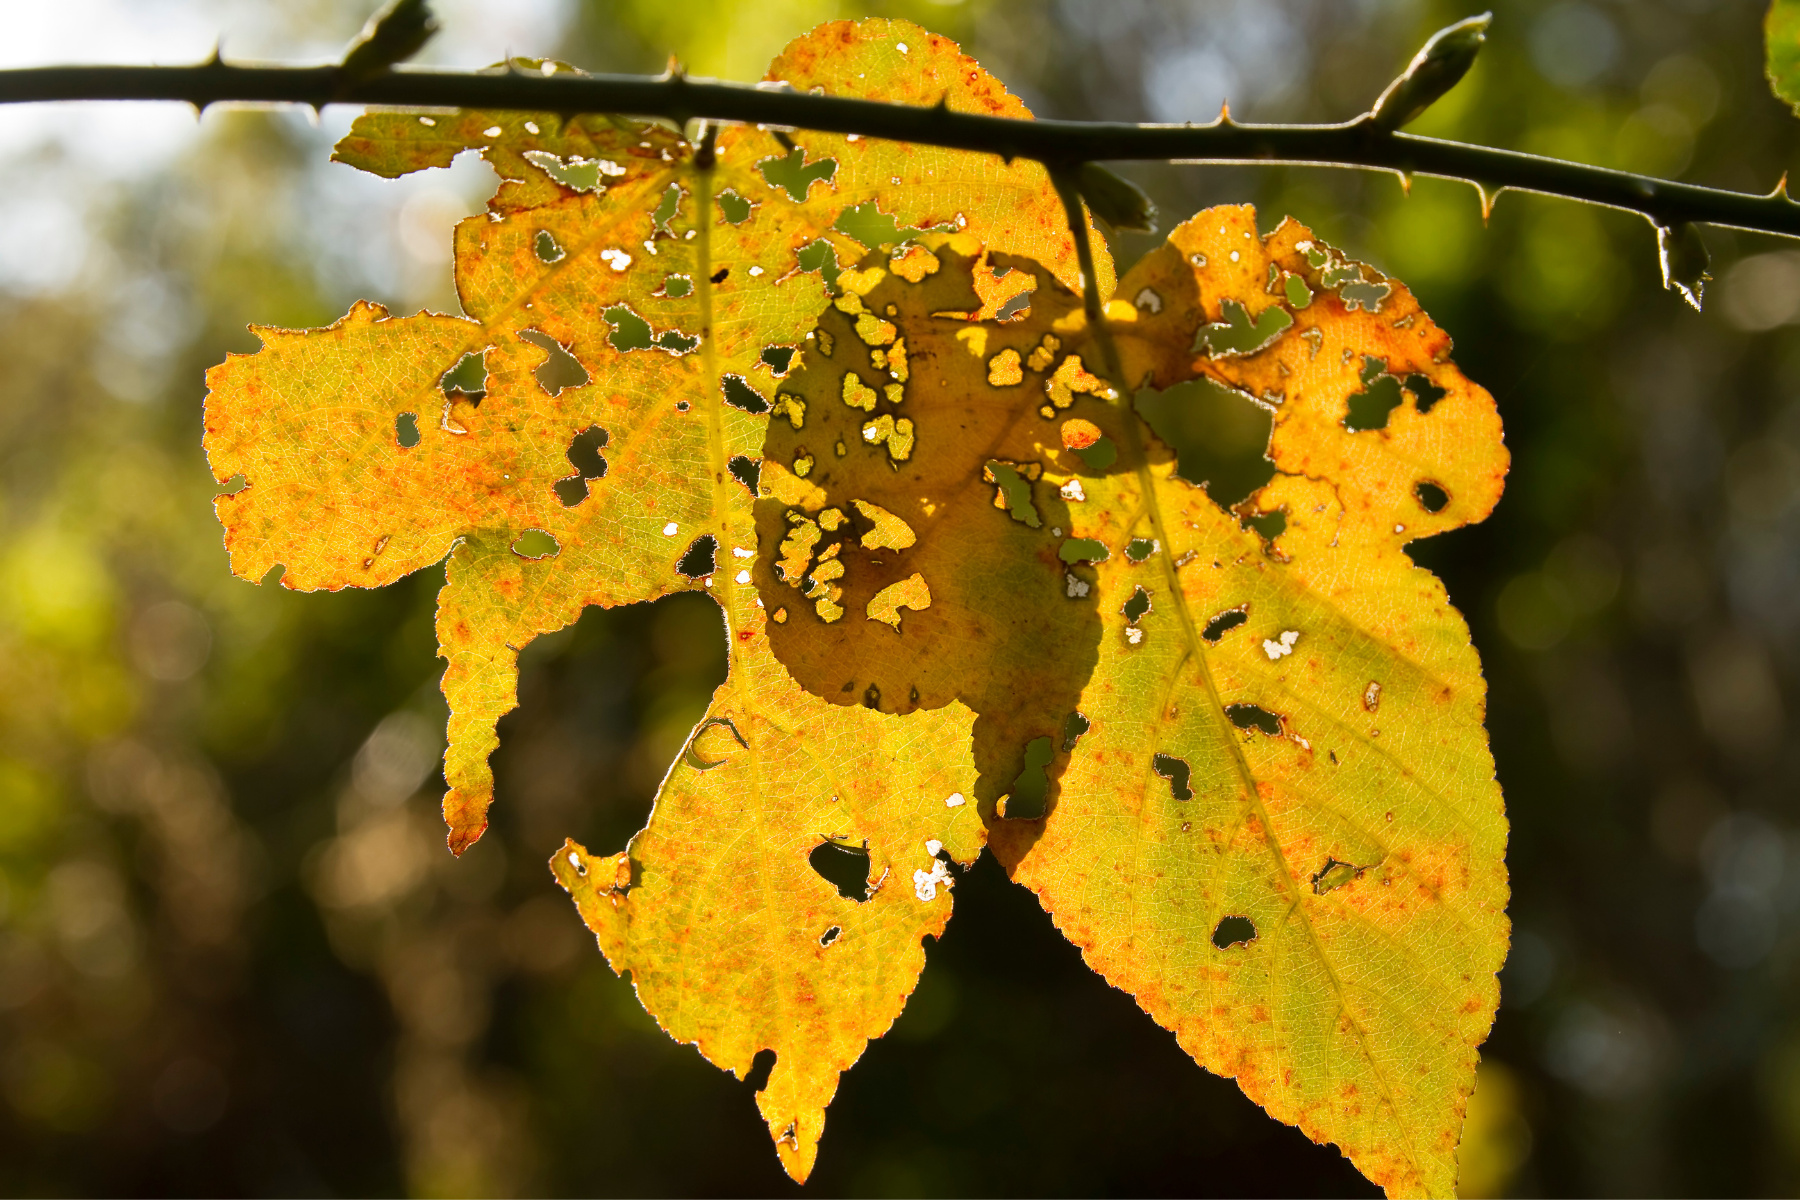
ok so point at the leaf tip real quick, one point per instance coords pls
(1684, 261)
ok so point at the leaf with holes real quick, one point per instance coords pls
(1127, 601)
(589, 433)
(1272, 745)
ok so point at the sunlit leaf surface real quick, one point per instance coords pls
(1205, 706)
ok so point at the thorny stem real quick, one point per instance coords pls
(1061, 145)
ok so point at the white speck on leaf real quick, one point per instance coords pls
(615, 258)
(1282, 648)
(953, 800)
(670, 528)
(1072, 490)
(740, 552)
(925, 883)
(491, 131)
(1078, 586)
(1134, 635)
(932, 846)
(743, 577)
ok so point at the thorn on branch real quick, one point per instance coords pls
(1438, 66)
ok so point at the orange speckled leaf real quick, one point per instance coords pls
(1280, 830)
(673, 290)
(733, 941)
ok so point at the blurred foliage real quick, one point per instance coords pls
(234, 957)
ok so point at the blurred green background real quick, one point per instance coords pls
(235, 959)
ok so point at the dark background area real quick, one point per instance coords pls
(235, 959)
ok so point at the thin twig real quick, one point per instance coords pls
(1058, 144)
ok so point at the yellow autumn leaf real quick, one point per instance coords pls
(1249, 779)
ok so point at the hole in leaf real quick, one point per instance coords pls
(1425, 393)
(740, 395)
(677, 286)
(869, 225)
(1137, 606)
(1073, 728)
(830, 935)
(1019, 304)
(546, 247)
(719, 275)
(1138, 549)
(778, 358)
(1269, 525)
(1082, 550)
(701, 559)
(1334, 875)
(406, 430)
(584, 452)
(1031, 790)
(1220, 437)
(1176, 771)
(1099, 456)
(761, 1067)
(1234, 931)
(1251, 716)
(1432, 498)
(666, 208)
(1237, 334)
(844, 867)
(746, 470)
(535, 543)
(821, 256)
(1224, 623)
(795, 175)
(632, 332)
(468, 376)
(561, 370)
(1380, 396)
(734, 206)
(1016, 490)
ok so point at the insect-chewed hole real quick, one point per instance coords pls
(468, 377)
(1031, 790)
(1073, 728)
(830, 935)
(1225, 622)
(746, 470)
(735, 208)
(794, 174)
(561, 370)
(778, 358)
(1137, 606)
(1017, 306)
(845, 868)
(761, 1067)
(1425, 393)
(1234, 931)
(1220, 436)
(546, 248)
(584, 456)
(406, 430)
(1138, 549)
(1269, 525)
(1432, 498)
(535, 543)
(1369, 408)
(701, 559)
(1251, 716)
(1176, 771)
(740, 395)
